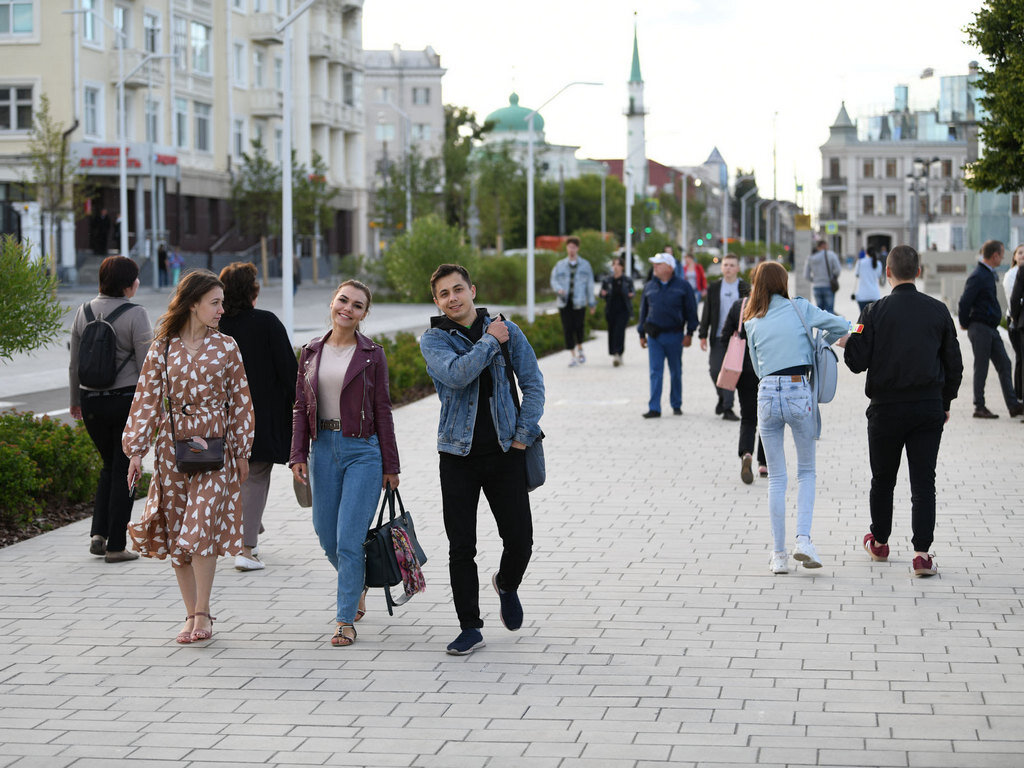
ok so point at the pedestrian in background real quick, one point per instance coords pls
(869, 273)
(617, 292)
(572, 279)
(721, 295)
(782, 357)
(105, 410)
(271, 369)
(822, 270)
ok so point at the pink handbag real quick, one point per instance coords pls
(732, 364)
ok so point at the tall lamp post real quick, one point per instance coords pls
(604, 204)
(530, 172)
(743, 214)
(407, 130)
(683, 244)
(757, 219)
(152, 168)
(918, 184)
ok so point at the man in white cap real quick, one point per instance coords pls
(667, 322)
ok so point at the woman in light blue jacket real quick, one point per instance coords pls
(782, 357)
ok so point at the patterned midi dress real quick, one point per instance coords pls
(198, 514)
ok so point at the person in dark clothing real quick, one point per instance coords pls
(271, 368)
(746, 389)
(617, 292)
(99, 233)
(907, 344)
(720, 297)
(1016, 300)
(668, 319)
(161, 262)
(980, 314)
(482, 439)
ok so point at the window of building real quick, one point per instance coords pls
(151, 32)
(890, 168)
(833, 168)
(258, 66)
(92, 111)
(188, 215)
(238, 5)
(122, 23)
(213, 211)
(869, 169)
(238, 64)
(420, 96)
(181, 123)
(384, 93)
(946, 205)
(890, 205)
(947, 168)
(278, 73)
(833, 204)
(385, 131)
(91, 28)
(238, 137)
(15, 18)
(348, 92)
(258, 6)
(201, 48)
(869, 205)
(279, 7)
(179, 39)
(153, 120)
(259, 130)
(129, 129)
(202, 115)
(421, 132)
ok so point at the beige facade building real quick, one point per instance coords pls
(213, 84)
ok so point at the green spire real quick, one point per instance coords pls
(634, 73)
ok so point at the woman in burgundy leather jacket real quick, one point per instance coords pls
(343, 443)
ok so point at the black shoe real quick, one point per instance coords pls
(467, 642)
(652, 415)
(718, 408)
(1017, 410)
(677, 411)
(511, 613)
(982, 412)
(730, 415)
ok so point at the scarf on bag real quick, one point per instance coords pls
(412, 574)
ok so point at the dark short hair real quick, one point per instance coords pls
(574, 240)
(732, 256)
(820, 244)
(991, 248)
(903, 262)
(620, 261)
(447, 269)
(240, 286)
(117, 274)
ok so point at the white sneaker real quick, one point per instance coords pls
(243, 563)
(573, 363)
(806, 553)
(779, 562)
(581, 357)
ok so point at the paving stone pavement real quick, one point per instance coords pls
(654, 633)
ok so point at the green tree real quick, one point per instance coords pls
(424, 173)
(596, 249)
(30, 314)
(461, 132)
(998, 31)
(413, 256)
(310, 199)
(501, 192)
(582, 205)
(256, 197)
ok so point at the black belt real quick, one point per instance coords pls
(796, 370)
(330, 425)
(119, 392)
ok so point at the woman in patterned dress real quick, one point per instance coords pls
(192, 518)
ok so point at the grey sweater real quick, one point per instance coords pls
(134, 333)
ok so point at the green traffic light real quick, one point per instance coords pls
(708, 235)
(647, 230)
(700, 241)
(631, 230)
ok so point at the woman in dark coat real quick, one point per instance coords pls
(271, 368)
(617, 292)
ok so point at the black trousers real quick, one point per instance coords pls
(572, 325)
(1016, 341)
(105, 417)
(502, 478)
(916, 426)
(617, 332)
(717, 348)
(746, 390)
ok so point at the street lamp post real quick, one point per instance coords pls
(743, 214)
(921, 170)
(769, 209)
(604, 206)
(757, 219)
(683, 244)
(530, 172)
(152, 167)
(407, 130)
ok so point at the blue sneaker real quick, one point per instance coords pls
(467, 642)
(511, 609)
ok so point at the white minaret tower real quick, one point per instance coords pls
(636, 148)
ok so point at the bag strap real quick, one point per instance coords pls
(739, 325)
(828, 265)
(167, 392)
(391, 495)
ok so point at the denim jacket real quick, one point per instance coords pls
(455, 364)
(778, 340)
(583, 288)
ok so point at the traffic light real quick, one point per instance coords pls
(700, 241)
(647, 230)
(631, 230)
(708, 237)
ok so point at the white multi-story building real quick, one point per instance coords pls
(189, 117)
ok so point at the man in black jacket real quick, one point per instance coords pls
(980, 315)
(907, 343)
(732, 288)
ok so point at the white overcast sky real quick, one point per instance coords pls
(715, 71)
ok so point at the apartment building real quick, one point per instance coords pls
(202, 80)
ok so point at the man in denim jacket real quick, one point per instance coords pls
(572, 279)
(482, 448)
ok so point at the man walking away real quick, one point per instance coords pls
(822, 269)
(907, 343)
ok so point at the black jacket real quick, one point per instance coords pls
(908, 347)
(712, 306)
(732, 325)
(271, 368)
(1015, 299)
(979, 302)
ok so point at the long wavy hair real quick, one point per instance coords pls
(769, 278)
(193, 286)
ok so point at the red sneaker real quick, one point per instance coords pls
(924, 566)
(879, 552)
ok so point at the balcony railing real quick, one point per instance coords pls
(834, 182)
(262, 28)
(265, 102)
(150, 72)
(830, 215)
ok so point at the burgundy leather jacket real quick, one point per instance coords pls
(365, 402)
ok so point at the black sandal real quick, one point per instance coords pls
(340, 639)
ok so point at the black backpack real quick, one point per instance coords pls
(97, 352)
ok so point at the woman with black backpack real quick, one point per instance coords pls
(109, 340)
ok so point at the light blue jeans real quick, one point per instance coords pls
(782, 401)
(345, 475)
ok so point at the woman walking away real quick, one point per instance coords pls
(104, 397)
(192, 387)
(270, 366)
(782, 356)
(870, 273)
(617, 292)
(343, 443)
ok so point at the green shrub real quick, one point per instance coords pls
(652, 244)
(20, 487)
(595, 249)
(502, 279)
(413, 257)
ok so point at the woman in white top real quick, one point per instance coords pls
(869, 272)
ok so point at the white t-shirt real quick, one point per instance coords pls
(730, 295)
(334, 362)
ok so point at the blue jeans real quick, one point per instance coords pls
(668, 347)
(824, 298)
(346, 474)
(782, 401)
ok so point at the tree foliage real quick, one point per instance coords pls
(998, 31)
(582, 205)
(501, 192)
(310, 194)
(413, 257)
(256, 193)
(30, 314)
(461, 132)
(423, 175)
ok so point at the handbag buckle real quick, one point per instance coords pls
(197, 444)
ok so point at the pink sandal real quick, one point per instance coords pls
(185, 636)
(203, 634)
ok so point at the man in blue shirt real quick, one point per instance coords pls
(980, 314)
(667, 322)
